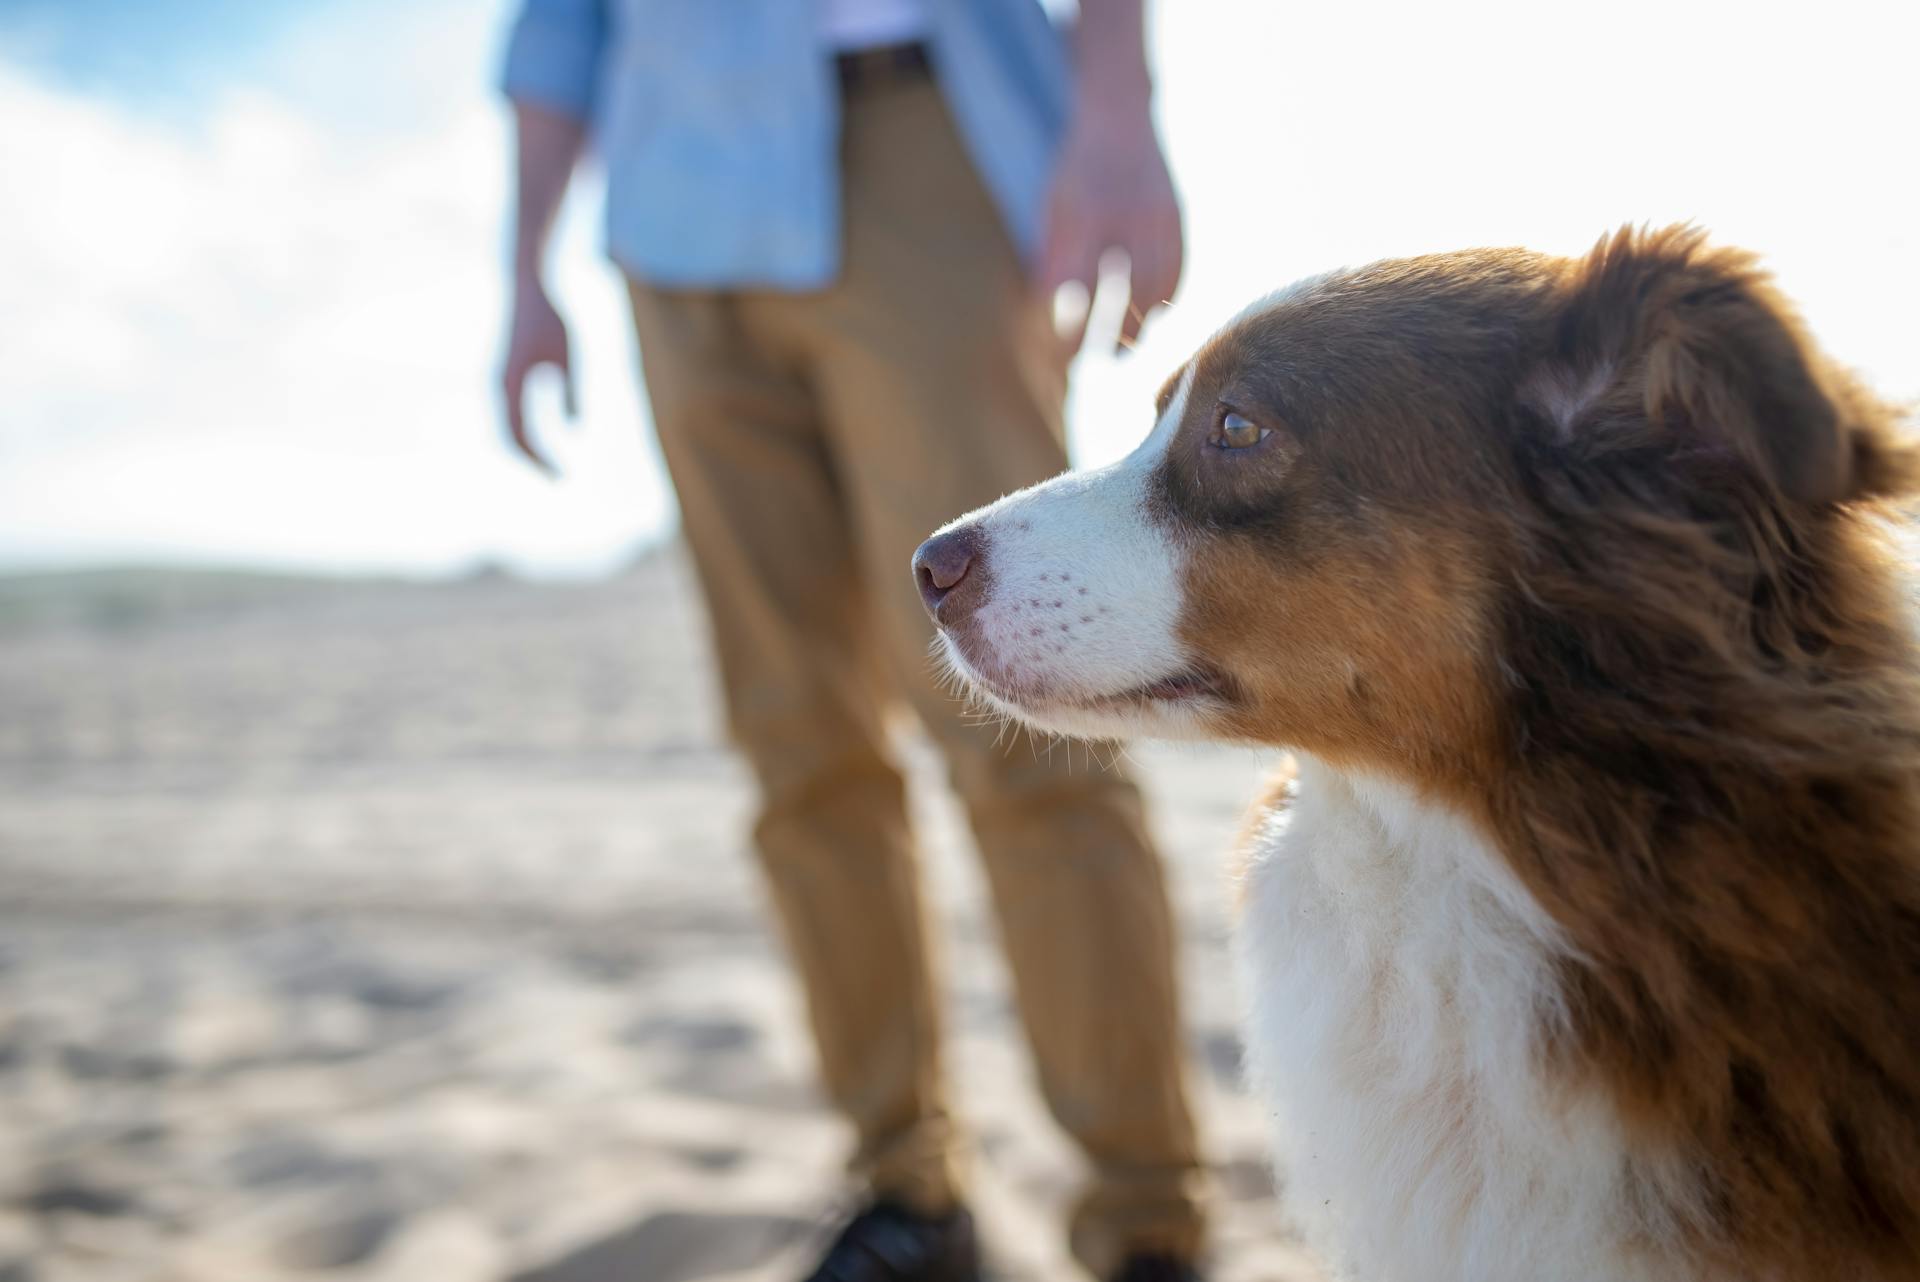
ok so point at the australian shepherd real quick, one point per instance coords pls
(1582, 940)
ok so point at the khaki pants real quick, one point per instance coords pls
(815, 440)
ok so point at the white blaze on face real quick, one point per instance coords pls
(1084, 595)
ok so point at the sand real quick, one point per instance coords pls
(386, 930)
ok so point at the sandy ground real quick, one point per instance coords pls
(400, 931)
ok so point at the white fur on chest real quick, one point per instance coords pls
(1398, 980)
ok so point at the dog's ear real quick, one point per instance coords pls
(1667, 342)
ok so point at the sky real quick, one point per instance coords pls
(250, 250)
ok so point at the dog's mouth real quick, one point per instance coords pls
(1200, 683)
(1191, 685)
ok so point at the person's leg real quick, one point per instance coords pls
(764, 516)
(941, 390)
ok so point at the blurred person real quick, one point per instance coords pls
(842, 225)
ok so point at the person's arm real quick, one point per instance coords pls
(548, 145)
(1111, 189)
(551, 74)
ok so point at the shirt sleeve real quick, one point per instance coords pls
(553, 55)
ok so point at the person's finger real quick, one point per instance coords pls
(513, 384)
(513, 387)
(1138, 302)
(1141, 280)
(1153, 275)
(1174, 242)
(1147, 288)
(524, 441)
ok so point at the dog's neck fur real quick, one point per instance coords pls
(1406, 1000)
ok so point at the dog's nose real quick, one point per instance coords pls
(942, 564)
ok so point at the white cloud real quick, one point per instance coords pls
(256, 338)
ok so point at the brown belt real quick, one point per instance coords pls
(864, 68)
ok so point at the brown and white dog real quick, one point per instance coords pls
(1586, 944)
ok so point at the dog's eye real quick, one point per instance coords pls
(1237, 432)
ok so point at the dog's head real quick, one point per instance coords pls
(1351, 489)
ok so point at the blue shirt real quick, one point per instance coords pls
(718, 122)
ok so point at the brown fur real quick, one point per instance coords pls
(1712, 755)
(1589, 550)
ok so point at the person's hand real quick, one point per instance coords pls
(1111, 190)
(536, 336)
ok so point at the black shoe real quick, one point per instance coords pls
(889, 1243)
(1156, 1268)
